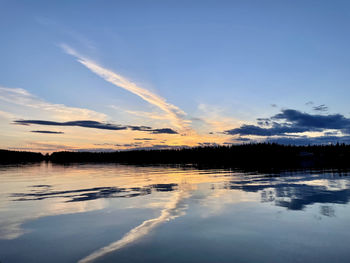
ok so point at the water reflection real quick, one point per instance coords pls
(172, 210)
(297, 191)
(109, 208)
(79, 195)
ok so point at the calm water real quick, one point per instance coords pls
(118, 213)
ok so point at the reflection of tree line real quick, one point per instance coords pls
(247, 155)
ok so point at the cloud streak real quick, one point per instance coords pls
(320, 108)
(174, 114)
(96, 125)
(48, 132)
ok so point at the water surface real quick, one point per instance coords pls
(120, 213)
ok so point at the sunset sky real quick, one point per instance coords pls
(109, 75)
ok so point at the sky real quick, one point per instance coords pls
(114, 75)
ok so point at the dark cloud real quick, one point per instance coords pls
(256, 130)
(164, 130)
(320, 108)
(208, 144)
(96, 125)
(48, 132)
(127, 144)
(242, 139)
(143, 139)
(301, 119)
(95, 150)
(293, 121)
(84, 123)
(309, 103)
(161, 147)
(263, 121)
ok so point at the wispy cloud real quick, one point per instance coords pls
(174, 114)
(7, 115)
(24, 98)
(321, 107)
(172, 210)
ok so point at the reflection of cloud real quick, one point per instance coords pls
(172, 210)
(174, 114)
(86, 194)
(11, 226)
(327, 210)
(294, 193)
(76, 189)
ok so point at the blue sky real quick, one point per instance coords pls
(223, 64)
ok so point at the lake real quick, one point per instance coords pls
(120, 213)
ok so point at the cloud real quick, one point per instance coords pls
(39, 146)
(174, 114)
(7, 115)
(213, 117)
(204, 144)
(256, 130)
(143, 139)
(294, 121)
(321, 107)
(24, 98)
(164, 130)
(160, 147)
(48, 132)
(96, 125)
(300, 119)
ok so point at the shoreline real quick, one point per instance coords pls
(269, 156)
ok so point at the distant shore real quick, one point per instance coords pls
(246, 156)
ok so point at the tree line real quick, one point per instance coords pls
(263, 155)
